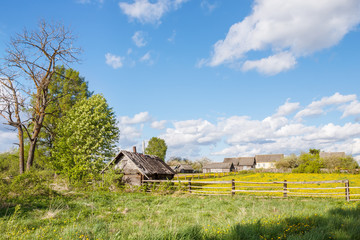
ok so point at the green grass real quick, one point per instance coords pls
(104, 215)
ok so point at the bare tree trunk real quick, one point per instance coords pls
(31, 155)
(33, 141)
(21, 150)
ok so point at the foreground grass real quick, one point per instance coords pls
(104, 215)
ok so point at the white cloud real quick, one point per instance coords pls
(295, 27)
(317, 107)
(147, 11)
(287, 108)
(141, 117)
(7, 139)
(147, 59)
(158, 124)
(114, 61)
(208, 6)
(271, 65)
(139, 39)
(352, 109)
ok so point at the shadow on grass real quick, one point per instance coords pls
(338, 223)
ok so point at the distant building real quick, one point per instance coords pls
(218, 167)
(267, 161)
(241, 163)
(332, 154)
(137, 167)
(183, 168)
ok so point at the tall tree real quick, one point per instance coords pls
(156, 146)
(86, 137)
(66, 88)
(34, 55)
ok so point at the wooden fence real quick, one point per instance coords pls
(280, 189)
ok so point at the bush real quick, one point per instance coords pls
(31, 184)
(309, 163)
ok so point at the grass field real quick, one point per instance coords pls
(105, 215)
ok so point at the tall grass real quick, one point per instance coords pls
(105, 215)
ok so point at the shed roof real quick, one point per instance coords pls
(186, 167)
(218, 165)
(147, 164)
(268, 158)
(241, 161)
(332, 154)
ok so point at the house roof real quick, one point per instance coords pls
(241, 161)
(332, 154)
(147, 164)
(219, 165)
(268, 158)
(185, 167)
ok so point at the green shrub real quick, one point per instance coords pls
(31, 184)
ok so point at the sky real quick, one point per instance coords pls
(214, 78)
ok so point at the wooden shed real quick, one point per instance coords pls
(183, 168)
(218, 167)
(241, 163)
(137, 167)
(268, 160)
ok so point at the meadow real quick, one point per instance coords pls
(139, 215)
(135, 214)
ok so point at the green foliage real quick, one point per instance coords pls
(156, 147)
(9, 163)
(30, 183)
(86, 137)
(65, 89)
(338, 163)
(288, 162)
(314, 151)
(309, 163)
(112, 180)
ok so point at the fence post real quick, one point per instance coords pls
(285, 189)
(189, 185)
(232, 187)
(347, 191)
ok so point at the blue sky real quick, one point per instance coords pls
(215, 78)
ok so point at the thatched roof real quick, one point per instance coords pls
(241, 161)
(218, 165)
(268, 158)
(332, 154)
(147, 164)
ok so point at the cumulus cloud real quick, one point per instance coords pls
(139, 39)
(158, 124)
(114, 61)
(141, 117)
(287, 108)
(317, 107)
(147, 11)
(271, 65)
(352, 109)
(289, 29)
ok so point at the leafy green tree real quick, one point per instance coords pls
(157, 147)
(309, 163)
(65, 89)
(86, 137)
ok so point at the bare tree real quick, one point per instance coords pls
(11, 103)
(33, 55)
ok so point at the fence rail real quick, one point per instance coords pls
(274, 189)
